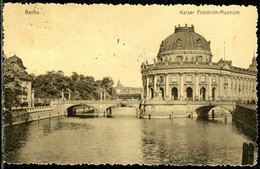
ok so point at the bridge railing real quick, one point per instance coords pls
(249, 106)
(101, 101)
(225, 102)
(40, 108)
(31, 109)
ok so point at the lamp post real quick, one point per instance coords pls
(62, 100)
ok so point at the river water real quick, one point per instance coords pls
(125, 139)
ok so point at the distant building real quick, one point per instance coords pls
(127, 92)
(26, 83)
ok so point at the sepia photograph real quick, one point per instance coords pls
(129, 84)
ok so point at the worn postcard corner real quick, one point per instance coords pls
(130, 84)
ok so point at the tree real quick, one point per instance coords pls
(49, 85)
(81, 87)
(107, 84)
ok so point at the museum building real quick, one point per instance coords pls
(184, 71)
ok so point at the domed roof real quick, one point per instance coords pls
(17, 60)
(184, 38)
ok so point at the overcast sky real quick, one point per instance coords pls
(102, 40)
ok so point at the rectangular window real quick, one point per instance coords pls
(213, 79)
(174, 78)
(225, 79)
(203, 78)
(188, 78)
(161, 79)
(151, 80)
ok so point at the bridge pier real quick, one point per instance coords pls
(213, 114)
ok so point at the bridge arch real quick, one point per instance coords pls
(108, 109)
(204, 110)
(70, 111)
(122, 105)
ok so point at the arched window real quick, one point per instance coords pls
(174, 93)
(161, 60)
(213, 93)
(203, 93)
(151, 93)
(162, 91)
(189, 92)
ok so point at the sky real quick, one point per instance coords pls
(107, 40)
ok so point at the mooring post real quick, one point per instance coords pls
(149, 116)
(250, 154)
(225, 119)
(245, 154)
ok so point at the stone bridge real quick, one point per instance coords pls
(183, 108)
(153, 107)
(101, 106)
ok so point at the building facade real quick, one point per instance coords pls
(183, 70)
(26, 84)
(126, 93)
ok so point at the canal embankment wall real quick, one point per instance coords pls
(246, 116)
(23, 115)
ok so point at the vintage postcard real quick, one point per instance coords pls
(130, 84)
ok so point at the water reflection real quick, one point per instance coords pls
(202, 142)
(241, 129)
(125, 139)
(17, 136)
(14, 137)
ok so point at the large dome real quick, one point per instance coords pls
(186, 42)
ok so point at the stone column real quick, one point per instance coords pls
(251, 90)
(181, 86)
(229, 88)
(235, 88)
(154, 83)
(32, 98)
(242, 89)
(196, 86)
(167, 87)
(147, 88)
(100, 95)
(209, 88)
(245, 94)
(220, 87)
(239, 88)
(62, 95)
